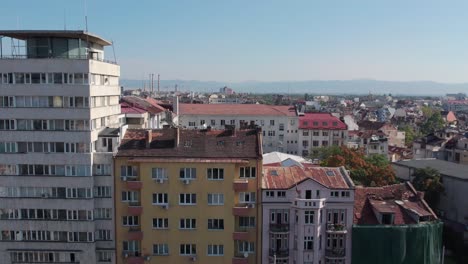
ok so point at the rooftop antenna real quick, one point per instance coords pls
(158, 83)
(113, 50)
(64, 19)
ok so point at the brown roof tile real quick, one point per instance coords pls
(211, 144)
(288, 177)
(236, 109)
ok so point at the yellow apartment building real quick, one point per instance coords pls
(188, 196)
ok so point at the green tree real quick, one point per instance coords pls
(410, 134)
(427, 180)
(323, 153)
(367, 171)
(433, 123)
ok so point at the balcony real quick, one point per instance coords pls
(135, 260)
(335, 253)
(242, 209)
(134, 208)
(240, 185)
(240, 235)
(279, 253)
(135, 233)
(279, 228)
(134, 185)
(339, 228)
(309, 203)
(240, 258)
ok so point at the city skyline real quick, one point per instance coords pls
(268, 40)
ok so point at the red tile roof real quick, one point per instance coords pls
(400, 199)
(148, 105)
(126, 108)
(321, 121)
(214, 144)
(236, 109)
(288, 177)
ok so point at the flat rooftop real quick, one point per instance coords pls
(81, 34)
(446, 168)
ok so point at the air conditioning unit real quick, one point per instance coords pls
(161, 180)
(165, 206)
(251, 205)
(193, 258)
(124, 178)
(186, 181)
(125, 255)
(45, 195)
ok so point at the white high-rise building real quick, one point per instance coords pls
(59, 126)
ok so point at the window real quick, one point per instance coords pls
(309, 217)
(102, 191)
(103, 235)
(270, 194)
(308, 243)
(187, 199)
(215, 173)
(272, 122)
(215, 199)
(213, 122)
(345, 194)
(128, 172)
(188, 173)
(305, 133)
(246, 221)
(104, 256)
(248, 172)
(324, 124)
(130, 196)
(223, 122)
(79, 193)
(215, 250)
(7, 124)
(387, 219)
(325, 143)
(80, 237)
(281, 194)
(160, 249)
(215, 224)
(188, 223)
(245, 246)
(334, 194)
(159, 173)
(315, 133)
(160, 223)
(8, 147)
(247, 197)
(188, 249)
(305, 143)
(232, 122)
(160, 198)
(191, 124)
(130, 220)
(281, 127)
(202, 122)
(271, 133)
(131, 246)
(102, 213)
(325, 133)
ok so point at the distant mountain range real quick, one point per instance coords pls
(363, 86)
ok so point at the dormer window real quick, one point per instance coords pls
(220, 143)
(387, 219)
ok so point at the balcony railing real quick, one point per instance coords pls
(335, 253)
(279, 253)
(69, 57)
(336, 227)
(279, 227)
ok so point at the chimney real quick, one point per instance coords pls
(149, 137)
(175, 105)
(177, 129)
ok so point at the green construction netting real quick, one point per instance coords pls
(404, 244)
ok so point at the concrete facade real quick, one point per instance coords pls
(55, 164)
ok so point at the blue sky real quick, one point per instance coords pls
(268, 40)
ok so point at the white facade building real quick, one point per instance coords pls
(59, 98)
(279, 123)
(307, 215)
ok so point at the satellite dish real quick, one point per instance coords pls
(204, 126)
(246, 255)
